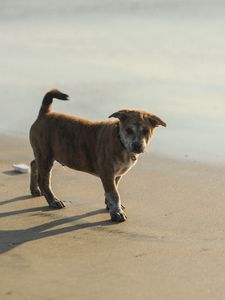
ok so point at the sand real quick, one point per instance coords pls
(171, 247)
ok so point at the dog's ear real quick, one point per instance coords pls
(121, 115)
(156, 121)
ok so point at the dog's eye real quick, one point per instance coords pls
(145, 131)
(129, 131)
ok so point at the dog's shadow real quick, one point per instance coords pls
(13, 238)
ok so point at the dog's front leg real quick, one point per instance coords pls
(117, 179)
(113, 199)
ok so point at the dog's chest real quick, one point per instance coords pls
(123, 165)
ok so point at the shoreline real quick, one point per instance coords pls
(185, 159)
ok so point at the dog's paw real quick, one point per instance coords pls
(57, 204)
(35, 192)
(118, 216)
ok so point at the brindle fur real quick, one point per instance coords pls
(106, 149)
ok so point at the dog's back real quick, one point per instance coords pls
(61, 136)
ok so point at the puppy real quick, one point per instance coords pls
(105, 149)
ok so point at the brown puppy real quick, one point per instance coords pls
(105, 149)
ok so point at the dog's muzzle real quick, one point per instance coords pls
(137, 147)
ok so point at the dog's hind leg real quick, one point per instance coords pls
(44, 182)
(34, 188)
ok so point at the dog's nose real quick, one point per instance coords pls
(137, 147)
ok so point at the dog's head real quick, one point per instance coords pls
(136, 128)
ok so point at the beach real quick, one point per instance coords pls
(165, 57)
(171, 246)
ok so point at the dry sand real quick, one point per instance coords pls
(171, 247)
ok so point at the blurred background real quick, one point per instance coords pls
(163, 56)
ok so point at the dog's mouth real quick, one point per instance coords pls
(138, 151)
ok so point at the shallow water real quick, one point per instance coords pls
(167, 57)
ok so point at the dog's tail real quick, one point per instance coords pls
(47, 100)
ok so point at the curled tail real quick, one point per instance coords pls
(47, 101)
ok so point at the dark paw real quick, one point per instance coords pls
(57, 204)
(35, 192)
(118, 216)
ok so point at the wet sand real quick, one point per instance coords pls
(171, 247)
